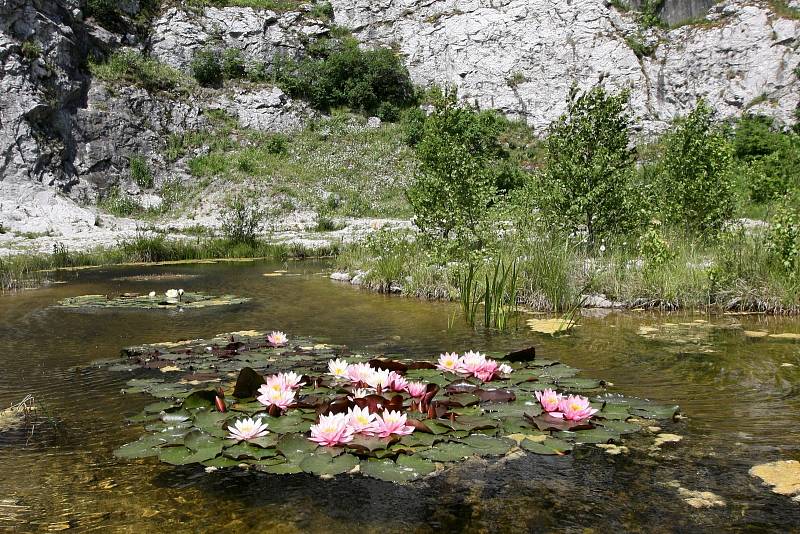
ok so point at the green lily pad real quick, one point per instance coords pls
(549, 446)
(325, 464)
(144, 447)
(406, 469)
(295, 446)
(489, 446)
(594, 435)
(450, 451)
(243, 450)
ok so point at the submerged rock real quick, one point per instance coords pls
(783, 476)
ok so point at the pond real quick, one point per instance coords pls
(739, 393)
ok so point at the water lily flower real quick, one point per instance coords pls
(471, 362)
(281, 398)
(397, 382)
(576, 408)
(338, 368)
(448, 361)
(416, 389)
(172, 293)
(379, 379)
(486, 371)
(152, 294)
(361, 421)
(393, 422)
(359, 372)
(332, 430)
(505, 369)
(247, 429)
(289, 380)
(277, 339)
(360, 393)
(549, 400)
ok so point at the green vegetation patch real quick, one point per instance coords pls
(129, 67)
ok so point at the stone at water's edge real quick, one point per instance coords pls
(782, 476)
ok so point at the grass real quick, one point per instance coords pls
(23, 271)
(132, 68)
(735, 273)
(337, 165)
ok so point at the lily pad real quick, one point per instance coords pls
(549, 446)
(325, 464)
(406, 469)
(134, 300)
(489, 446)
(448, 452)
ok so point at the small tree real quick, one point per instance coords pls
(241, 219)
(586, 181)
(206, 67)
(696, 183)
(460, 167)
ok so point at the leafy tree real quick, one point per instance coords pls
(696, 183)
(461, 165)
(585, 183)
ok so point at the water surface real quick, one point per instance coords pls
(741, 397)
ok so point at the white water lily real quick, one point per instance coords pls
(152, 294)
(338, 368)
(172, 293)
(247, 429)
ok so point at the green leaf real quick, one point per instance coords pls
(295, 446)
(489, 446)
(144, 447)
(246, 450)
(325, 464)
(448, 452)
(406, 469)
(549, 446)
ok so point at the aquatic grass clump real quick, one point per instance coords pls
(321, 410)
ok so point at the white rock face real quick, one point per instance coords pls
(522, 56)
(268, 109)
(261, 35)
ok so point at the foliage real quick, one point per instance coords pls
(118, 203)
(31, 50)
(586, 181)
(242, 218)
(140, 172)
(784, 235)
(770, 158)
(130, 67)
(649, 15)
(412, 121)
(697, 183)
(340, 73)
(233, 64)
(206, 67)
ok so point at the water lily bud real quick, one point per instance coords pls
(220, 404)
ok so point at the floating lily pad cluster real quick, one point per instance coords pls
(151, 301)
(457, 418)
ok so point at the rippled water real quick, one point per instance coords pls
(741, 399)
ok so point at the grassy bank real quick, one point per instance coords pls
(31, 270)
(554, 273)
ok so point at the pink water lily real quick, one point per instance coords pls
(397, 382)
(281, 398)
(361, 421)
(576, 408)
(338, 368)
(471, 363)
(332, 430)
(486, 371)
(359, 373)
(393, 422)
(290, 380)
(247, 429)
(416, 389)
(379, 379)
(277, 339)
(449, 361)
(549, 400)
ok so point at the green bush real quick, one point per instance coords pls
(140, 172)
(771, 158)
(233, 64)
(460, 167)
(241, 219)
(784, 235)
(130, 67)
(339, 73)
(277, 144)
(697, 182)
(412, 121)
(206, 67)
(31, 50)
(585, 184)
(103, 11)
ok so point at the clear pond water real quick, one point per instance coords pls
(740, 396)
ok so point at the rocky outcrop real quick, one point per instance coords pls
(676, 11)
(267, 109)
(522, 56)
(260, 35)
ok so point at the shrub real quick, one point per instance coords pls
(697, 183)
(141, 173)
(784, 235)
(31, 50)
(277, 144)
(103, 11)
(130, 67)
(771, 157)
(413, 122)
(586, 181)
(241, 219)
(233, 65)
(459, 170)
(323, 10)
(206, 67)
(339, 73)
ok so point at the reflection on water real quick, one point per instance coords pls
(741, 396)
